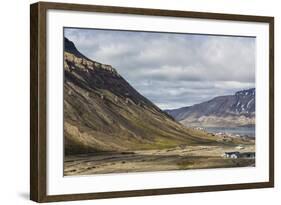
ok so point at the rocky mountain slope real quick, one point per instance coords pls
(103, 112)
(226, 111)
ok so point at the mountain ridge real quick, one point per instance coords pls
(229, 110)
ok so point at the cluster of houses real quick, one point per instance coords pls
(235, 155)
(198, 128)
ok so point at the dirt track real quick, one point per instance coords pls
(188, 157)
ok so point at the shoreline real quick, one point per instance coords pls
(229, 131)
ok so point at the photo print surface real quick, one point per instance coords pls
(137, 101)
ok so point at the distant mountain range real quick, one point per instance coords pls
(103, 112)
(222, 111)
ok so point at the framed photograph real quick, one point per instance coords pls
(133, 102)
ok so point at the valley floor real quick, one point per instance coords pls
(178, 158)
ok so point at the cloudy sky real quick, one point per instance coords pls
(173, 70)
